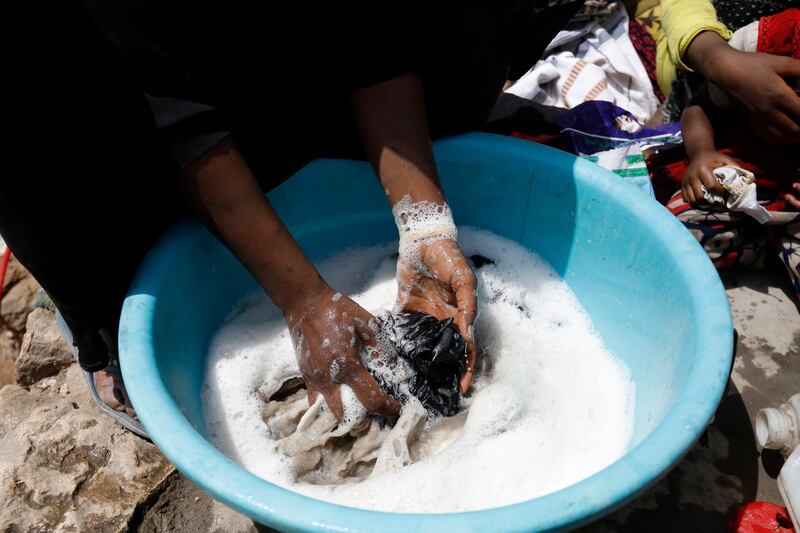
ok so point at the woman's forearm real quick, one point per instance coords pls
(705, 54)
(394, 130)
(227, 197)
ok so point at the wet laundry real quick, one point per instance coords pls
(326, 452)
(437, 354)
(432, 354)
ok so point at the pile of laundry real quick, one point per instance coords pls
(431, 356)
(601, 69)
(593, 59)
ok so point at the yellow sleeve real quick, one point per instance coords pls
(682, 21)
(665, 68)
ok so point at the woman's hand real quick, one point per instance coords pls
(442, 285)
(433, 276)
(700, 173)
(763, 86)
(328, 330)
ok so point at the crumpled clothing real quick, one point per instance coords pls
(325, 452)
(432, 355)
(733, 238)
(740, 193)
(437, 356)
(594, 62)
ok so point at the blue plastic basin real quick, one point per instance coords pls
(651, 291)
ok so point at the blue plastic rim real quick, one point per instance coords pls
(651, 291)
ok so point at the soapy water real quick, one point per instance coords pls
(549, 406)
(419, 223)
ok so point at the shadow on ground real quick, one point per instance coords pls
(724, 470)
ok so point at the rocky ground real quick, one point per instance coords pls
(66, 467)
(63, 465)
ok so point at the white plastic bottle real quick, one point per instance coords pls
(779, 429)
(789, 484)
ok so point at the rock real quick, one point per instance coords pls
(181, 506)
(18, 301)
(20, 293)
(43, 352)
(65, 466)
(15, 273)
(9, 348)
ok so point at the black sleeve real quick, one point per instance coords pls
(187, 129)
(375, 41)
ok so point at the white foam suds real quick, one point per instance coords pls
(550, 405)
(419, 223)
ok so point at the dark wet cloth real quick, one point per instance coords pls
(437, 355)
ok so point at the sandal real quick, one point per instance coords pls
(124, 419)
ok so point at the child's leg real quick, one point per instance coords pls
(729, 239)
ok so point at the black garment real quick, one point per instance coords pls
(437, 355)
(736, 14)
(110, 100)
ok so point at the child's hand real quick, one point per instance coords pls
(792, 199)
(701, 174)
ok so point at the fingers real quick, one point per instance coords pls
(786, 67)
(687, 192)
(465, 285)
(366, 327)
(469, 373)
(369, 393)
(333, 397)
(709, 181)
(697, 190)
(789, 101)
(788, 126)
(424, 305)
(765, 128)
(359, 379)
(312, 395)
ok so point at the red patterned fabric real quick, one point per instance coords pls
(645, 46)
(780, 34)
(731, 238)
